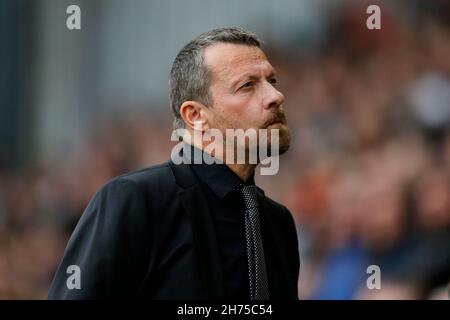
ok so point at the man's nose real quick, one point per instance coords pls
(274, 98)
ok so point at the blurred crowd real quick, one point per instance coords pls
(367, 177)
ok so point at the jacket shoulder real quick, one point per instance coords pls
(281, 211)
(152, 187)
(153, 175)
(149, 181)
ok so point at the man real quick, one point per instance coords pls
(194, 231)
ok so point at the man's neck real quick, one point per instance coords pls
(244, 171)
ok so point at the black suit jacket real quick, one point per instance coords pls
(149, 234)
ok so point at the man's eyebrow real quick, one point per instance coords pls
(273, 73)
(251, 76)
(248, 76)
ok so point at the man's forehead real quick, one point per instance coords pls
(231, 59)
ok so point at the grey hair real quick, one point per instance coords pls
(190, 78)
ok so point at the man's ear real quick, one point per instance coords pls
(193, 113)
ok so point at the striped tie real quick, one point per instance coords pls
(259, 287)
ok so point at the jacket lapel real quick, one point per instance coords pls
(194, 202)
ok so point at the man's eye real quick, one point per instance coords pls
(273, 81)
(247, 85)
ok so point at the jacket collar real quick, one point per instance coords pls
(216, 175)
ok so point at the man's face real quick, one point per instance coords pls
(243, 90)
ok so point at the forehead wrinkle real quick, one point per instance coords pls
(228, 64)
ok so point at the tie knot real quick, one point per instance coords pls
(250, 196)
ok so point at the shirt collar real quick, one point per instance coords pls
(218, 176)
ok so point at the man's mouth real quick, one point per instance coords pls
(279, 121)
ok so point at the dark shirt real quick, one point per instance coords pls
(226, 204)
